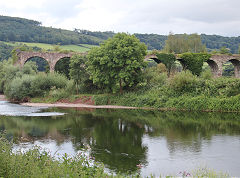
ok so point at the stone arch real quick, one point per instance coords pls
(62, 66)
(236, 64)
(37, 63)
(51, 57)
(153, 57)
(214, 67)
(27, 59)
(183, 64)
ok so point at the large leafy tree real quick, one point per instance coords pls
(117, 63)
(78, 69)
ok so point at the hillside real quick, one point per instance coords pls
(77, 48)
(24, 30)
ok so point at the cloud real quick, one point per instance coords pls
(152, 16)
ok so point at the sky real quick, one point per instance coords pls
(220, 17)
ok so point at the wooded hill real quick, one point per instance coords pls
(24, 30)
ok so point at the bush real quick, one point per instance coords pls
(20, 88)
(184, 82)
(27, 86)
(207, 75)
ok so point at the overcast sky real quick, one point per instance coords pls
(220, 17)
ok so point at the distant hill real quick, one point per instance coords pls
(24, 30)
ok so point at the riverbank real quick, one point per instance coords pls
(3, 98)
(75, 104)
(79, 105)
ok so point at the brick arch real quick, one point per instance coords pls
(50, 57)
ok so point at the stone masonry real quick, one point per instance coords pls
(51, 57)
(215, 62)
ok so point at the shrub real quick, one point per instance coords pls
(207, 75)
(184, 82)
(44, 82)
(27, 86)
(20, 88)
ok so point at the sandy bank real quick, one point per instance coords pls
(70, 105)
(74, 105)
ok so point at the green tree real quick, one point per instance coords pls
(224, 50)
(118, 62)
(239, 49)
(78, 69)
(168, 60)
(182, 43)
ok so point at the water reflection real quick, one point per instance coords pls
(123, 139)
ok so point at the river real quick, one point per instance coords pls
(133, 141)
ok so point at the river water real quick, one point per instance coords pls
(134, 141)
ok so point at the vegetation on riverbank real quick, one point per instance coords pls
(37, 163)
(184, 91)
(115, 73)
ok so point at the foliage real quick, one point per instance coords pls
(194, 61)
(155, 76)
(36, 163)
(63, 67)
(224, 50)
(78, 70)
(183, 82)
(5, 51)
(184, 43)
(228, 69)
(117, 63)
(7, 73)
(24, 86)
(24, 30)
(168, 60)
(184, 91)
(153, 41)
(207, 75)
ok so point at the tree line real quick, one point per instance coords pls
(24, 30)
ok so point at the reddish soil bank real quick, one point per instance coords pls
(82, 102)
(3, 98)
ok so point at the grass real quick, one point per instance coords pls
(76, 48)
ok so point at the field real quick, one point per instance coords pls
(76, 48)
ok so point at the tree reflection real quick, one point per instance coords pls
(115, 137)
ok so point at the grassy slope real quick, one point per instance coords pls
(76, 48)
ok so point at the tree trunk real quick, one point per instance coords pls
(77, 87)
(120, 83)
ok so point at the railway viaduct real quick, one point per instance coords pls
(215, 62)
(51, 57)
